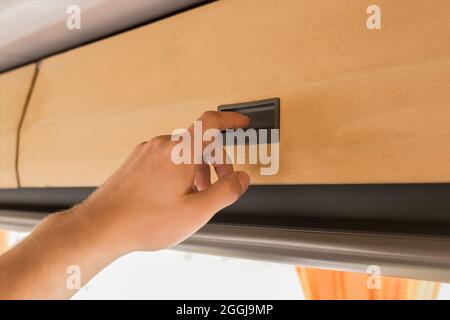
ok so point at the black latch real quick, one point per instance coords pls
(263, 114)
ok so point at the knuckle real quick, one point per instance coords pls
(138, 147)
(158, 141)
(171, 144)
(232, 190)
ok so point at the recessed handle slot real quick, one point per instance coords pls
(263, 114)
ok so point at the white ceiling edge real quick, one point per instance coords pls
(32, 29)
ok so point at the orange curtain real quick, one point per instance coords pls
(336, 285)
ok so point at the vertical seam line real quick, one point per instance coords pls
(22, 119)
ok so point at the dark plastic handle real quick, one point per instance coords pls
(263, 114)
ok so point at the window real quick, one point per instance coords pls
(171, 274)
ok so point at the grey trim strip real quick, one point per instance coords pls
(20, 220)
(424, 257)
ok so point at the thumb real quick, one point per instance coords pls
(223, 193)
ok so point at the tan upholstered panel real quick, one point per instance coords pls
(14, 88)
(358, 106)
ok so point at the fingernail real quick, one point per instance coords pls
(244, 181)
(248, 119)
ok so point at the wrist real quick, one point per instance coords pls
(82, 229)
(61, 241)
(102, 228)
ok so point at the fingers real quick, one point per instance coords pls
(202, 177)
(203, 172)
(221, 121)
(223, 169)
(221, 194)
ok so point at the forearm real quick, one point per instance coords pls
(37, 268)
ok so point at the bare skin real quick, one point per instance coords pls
(148, 204)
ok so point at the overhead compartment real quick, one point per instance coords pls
(14, 89)
(364, 125)
(356, 105)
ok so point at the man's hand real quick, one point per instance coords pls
(157, 203)
(149, 203)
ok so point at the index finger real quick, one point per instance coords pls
(222, 121)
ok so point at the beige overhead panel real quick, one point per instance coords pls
(14, 88)
(357, 105)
